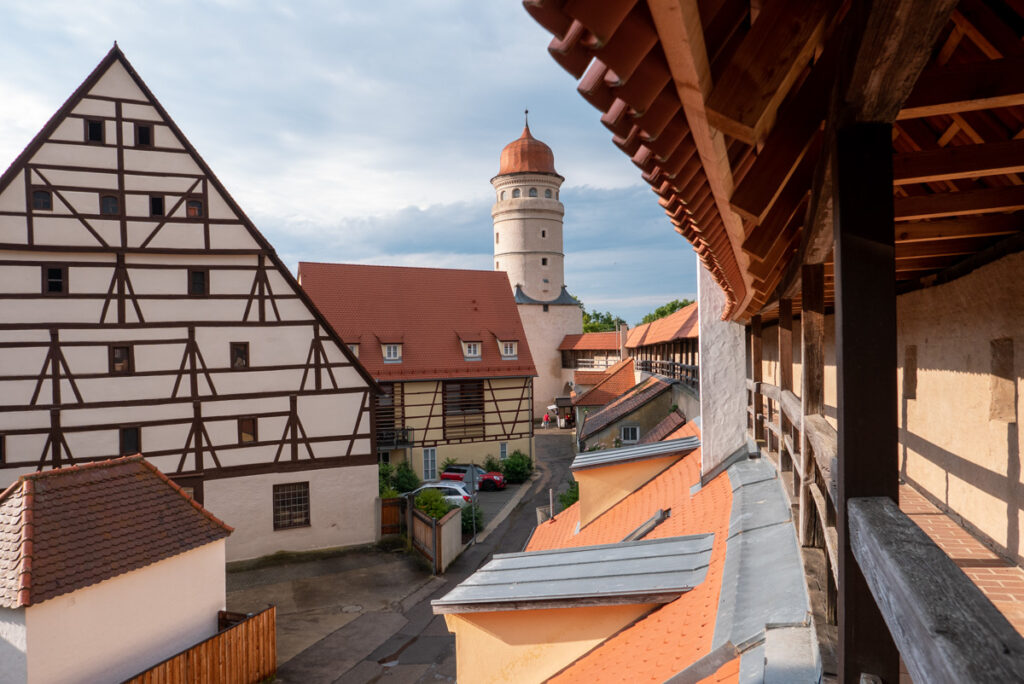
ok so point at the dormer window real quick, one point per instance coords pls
(354, 348)
(392, 353)
(509, 350)
(471, 350)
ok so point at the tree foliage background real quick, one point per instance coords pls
(665, 310)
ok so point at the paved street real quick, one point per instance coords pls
(365, 616)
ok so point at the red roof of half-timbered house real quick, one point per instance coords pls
(429, 311)
(592, 341)
(681, 324)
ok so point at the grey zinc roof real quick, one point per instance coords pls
(647, 571)
(637, 452)
(563, 298)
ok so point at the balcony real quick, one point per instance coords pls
(394, 438)
(686, 373)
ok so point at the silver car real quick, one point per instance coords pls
(454, 492)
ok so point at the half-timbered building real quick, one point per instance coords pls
(144, 312)
(449, 351)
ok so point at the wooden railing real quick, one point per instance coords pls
(242, 654)
(684, 372)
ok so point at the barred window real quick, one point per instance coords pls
(291, 505)
(463, 397)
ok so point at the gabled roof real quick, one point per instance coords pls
(618, 379)
(592, 341)
(434, 310)
(679, 325)
(625, 404)
(588, 377)
(666, 427)
(68, 528)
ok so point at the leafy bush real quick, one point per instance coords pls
(570, 496)
(385, 475)
(405, 478)
(492, 464)
(517, 467)
(431, 502)
(447, 462)
(389, 493)
(468, 513)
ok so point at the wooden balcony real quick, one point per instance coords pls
(684, 372)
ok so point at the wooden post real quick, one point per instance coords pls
(812, 394)
(785, 376)
(756, 370)
(866, 376)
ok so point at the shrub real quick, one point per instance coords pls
(570, 496)
(431, 502)
(389, 493)
(517, 467)
(405, 478)
(447, 462)
(468, 513)
(385, 475)
(492, 464)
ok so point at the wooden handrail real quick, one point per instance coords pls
(824, 441)
(946, 630)
(770, 391)
(791, 407)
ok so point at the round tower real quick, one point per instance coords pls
(528, 219)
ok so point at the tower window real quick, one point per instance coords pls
(543, 233)
(543, 261)
(545, 308)
(496, 266)
(495, 238)
(42, 200)
(156, 205)
(502, 194)
(94, 130)
(533, 192)
(515, 193)
(547, 193)
(109, 206)
(143, 135)
(194, 208)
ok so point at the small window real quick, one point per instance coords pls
(496, 238)
(430, 463)
(42, 200)
(121, 361)
(131, 441)
(543, 261)
(547, 194)
(545, 280)
(143, 135)
(502, 450)
(94, 130)
(473, 350)
(502, 194)
(198, 284)
(497, 265)
(291, 505)
(545, 308)
(55, 280)
(533, 192)
(156, 205)
(509, 350)
(354, 348)
(392, 352)
(190, 492)
(246, 430)
(194, 208)
(109, 205)
(630, 434)
(543, 233)
(515, 193)
(239, 354)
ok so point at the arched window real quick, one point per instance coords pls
(109, 205)
(533, 192)
(547, 193)
(502, 194)
(556, 194)
(515, 193)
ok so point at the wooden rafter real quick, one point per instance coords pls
(958, 88)
(961, 161)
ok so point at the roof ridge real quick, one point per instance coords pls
(78, 467)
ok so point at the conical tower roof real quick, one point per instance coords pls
(527, 155)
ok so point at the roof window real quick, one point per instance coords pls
(392, 353)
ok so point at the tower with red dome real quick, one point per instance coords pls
(527, 216)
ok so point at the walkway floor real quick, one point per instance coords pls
(999, 579)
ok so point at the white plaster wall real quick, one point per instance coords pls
(544, 332)
(519, 225)
(112, 630)
(342, 510)
(13, 640)
(723, 396)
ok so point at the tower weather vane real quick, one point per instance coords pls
(526, 116)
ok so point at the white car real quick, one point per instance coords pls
(454, 492)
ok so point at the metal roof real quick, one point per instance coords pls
(647, 571)
(636, 452)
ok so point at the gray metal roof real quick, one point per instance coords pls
(647, 571)
(563, 298)
(637, 452)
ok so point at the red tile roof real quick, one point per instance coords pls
(674, 636)
(588, 377)
(427, 310)
(679, 325)
(68, 528)
(666, 427)
(526, 154)
(624, 404)
(593, 341)
(618, 379)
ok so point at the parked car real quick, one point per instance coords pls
(487, 481)
(454, 493)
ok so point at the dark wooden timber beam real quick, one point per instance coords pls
(782, 41)
(961, 161)
(986, 201)
(812, 393)
(966, 87)
(988, 225)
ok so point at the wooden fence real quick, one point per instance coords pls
(244, 653)
(439, 541)
(391, 515)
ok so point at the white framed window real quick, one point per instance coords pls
(354, 348)
(430, 463)
(471, 350)
(502, 450)
(509, 350)
(392, 353)
(630, 434)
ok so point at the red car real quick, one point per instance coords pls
(484, 480)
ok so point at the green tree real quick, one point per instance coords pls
(666, 309)
(600, 321)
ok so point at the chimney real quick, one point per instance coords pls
(623, 329)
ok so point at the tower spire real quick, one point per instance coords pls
(526, 117)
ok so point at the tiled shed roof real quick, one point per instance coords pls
(666, 427)
(68, 528)
(593, 341)
(618, 379)
(625, 404)
(679, 325)
(430, 308)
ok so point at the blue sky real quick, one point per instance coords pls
(363, 132)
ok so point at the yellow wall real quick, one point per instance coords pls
(532, 645)
(474, 452)
(601, 488)
(645, 417)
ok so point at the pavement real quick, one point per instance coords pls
(365, 616)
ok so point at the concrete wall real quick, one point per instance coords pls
(544, 332)
(13, 646)
(342, 503)
(645, 418)
(112, 630)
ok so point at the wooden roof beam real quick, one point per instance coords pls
(966, 87)
(986, 201)
(767, 63)
(962, 161)
(964, 226)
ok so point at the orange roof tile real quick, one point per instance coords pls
(582, 377)
(680, 325)
(526, 154)
(431, 311)
(619, 379)
(593, 341)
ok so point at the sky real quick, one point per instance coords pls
(363, 132)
